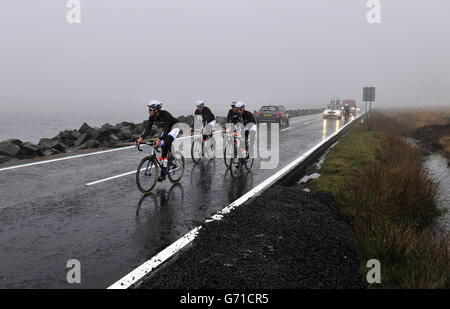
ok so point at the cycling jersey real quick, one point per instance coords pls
(165, 119)
(207, 115)
(246, 118)
(232, 117)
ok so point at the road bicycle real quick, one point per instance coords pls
(228, 147)
(240, 157)
(150, 167)
(203, 145)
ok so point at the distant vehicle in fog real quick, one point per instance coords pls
(333, 110)
(273, 113)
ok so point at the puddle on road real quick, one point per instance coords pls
(437, 166)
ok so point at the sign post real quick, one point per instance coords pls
(368, 96)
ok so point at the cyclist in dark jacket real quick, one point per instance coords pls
(168, 134)
(232, 116)
(249, 122)
(208, 118)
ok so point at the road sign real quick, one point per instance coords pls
(369, 94)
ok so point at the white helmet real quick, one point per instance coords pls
(155, 104)
(240, 104)
(200, 103)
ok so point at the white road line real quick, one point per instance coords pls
(74, 157)
(286, 129)
(306, 122)
(155, 261)
(65, 158)
(109, 178)
(147, 267)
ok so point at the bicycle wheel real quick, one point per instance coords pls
(176, 168)
(197, 150)
(228, 150)
(210, 147)
(147, 174)
(249, 163)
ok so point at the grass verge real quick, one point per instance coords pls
(379, 184)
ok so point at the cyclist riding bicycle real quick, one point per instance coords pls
(168, 134)
(208, 118)
(248, 120)
(232, 116)
(346, 111)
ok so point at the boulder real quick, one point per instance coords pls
(93, 133)
(114, 138)
(61, 147)
(16, 142)
(92, 143)
(4, 159)
(47, 143)
(110, 128)
(126, 124)
(9, 148)
(83, 138)
(47, 151)
(106, 143)
(138, 129)
(125, 134)
(28, 150)
(68, 135)
(69, 143)
(84, 128)
(106, 130)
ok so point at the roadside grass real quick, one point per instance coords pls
(445, 142)
(412, 119)
(379, 184)
(430, 126)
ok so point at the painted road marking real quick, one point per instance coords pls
(110, 178)
(122, 175)
(155, 261)
(145, 269)
(74, 157)
(65, 158)
(286, 129)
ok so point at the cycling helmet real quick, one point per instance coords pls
(200, 103)
(240, 104)
(233, 104)
(155, 104)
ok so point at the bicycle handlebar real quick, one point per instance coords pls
(151, 143)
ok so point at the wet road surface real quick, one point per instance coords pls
(48, 215)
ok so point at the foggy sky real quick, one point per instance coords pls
(292, 52)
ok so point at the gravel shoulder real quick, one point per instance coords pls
(283, 239)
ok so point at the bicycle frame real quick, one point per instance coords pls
(152, 153)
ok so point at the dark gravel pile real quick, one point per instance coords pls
(285, 238)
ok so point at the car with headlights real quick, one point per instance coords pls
(333, 110)
(273, 113)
